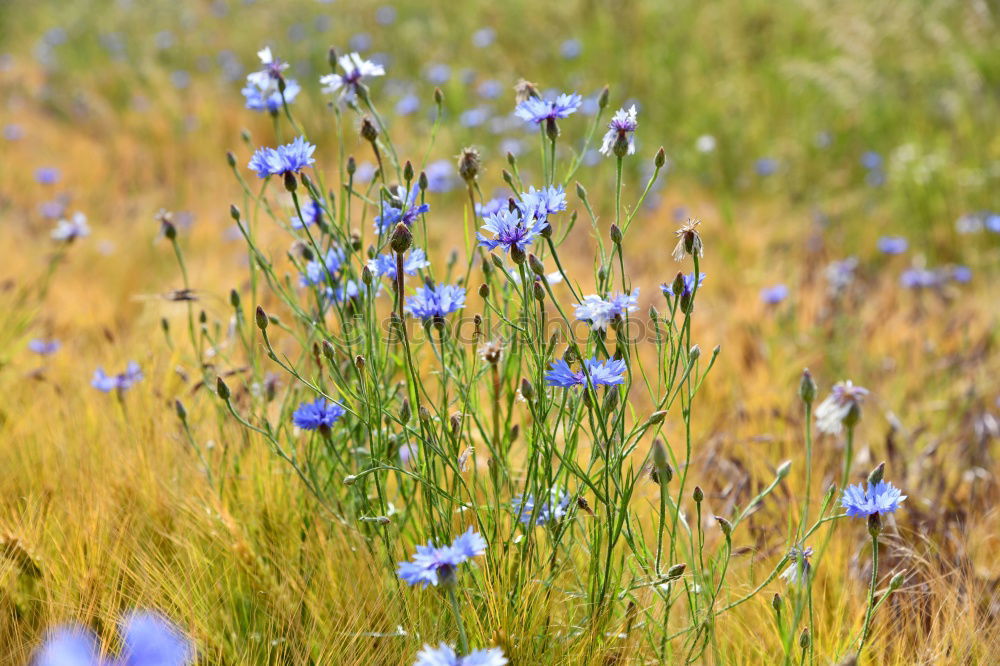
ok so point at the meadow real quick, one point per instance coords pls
(587, 333)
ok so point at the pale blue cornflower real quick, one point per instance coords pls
(892, 245)
(880, 498)
(401, 208)
(47, 175)
(571, 49)
(385, 264)
(290, 158)
(510, 230)
(312, 212)
(774, 295)
(602, 373)
(491, 206)
(71, 229)
(919, 278)
(407, 105)
(961, 274)
(435, 302)
(120, 382)
(549, 511)
(687, 290)
(599, 312)
(432, 565)
(844, 401)
(620, 137)
(544, 202)
(258, 101)
(44, 347)
(798, 571)
(537, 110)
(317, 415)
(445, 655)
(147, 640)
(840, 274)
(265, 81)
(322, 272)
(356, 70)
(440, 176)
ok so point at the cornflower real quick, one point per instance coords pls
(437, 565)
(607, 373)
(620, 137)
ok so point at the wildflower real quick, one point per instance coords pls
(705, 143)
(774, 295)
(70, 230)
(312, 212)
(871, 160)
(288, 159)
(687, 285)
(571, 49)
(765, 166)
(919, 278)
(435, 302)
(607, 373)
(355, 71)
(490, 207)
(689, 240)
(483, 37)
(842, 406)
(878, 498)
(490, 351)
(434, 566)
(799, 569)
(440, 176)
(537, 110)
(961, 274)
(47, 175)
(620, 136)
(44, 347)
(401, 208)
(510, 230)
(600, 312)
(271, 102)
(840, 274)
(544, 202)
(385, 264)
(119, 382)
(147, 640)
(317, 415)
(445, 655)
(321, 272)
(407, 105)
(549, 511)
(892, 245)
(266, 80)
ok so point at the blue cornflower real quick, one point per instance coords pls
(407, 104)
(774, 295)
(544, 202)
(434, 566)
(119, 382)
(871, 160)
(608, 373)
(317, 272)
(47, 175)
(880, 498)
(687, 289)
(620, 137)
(892, 245)
(385, 264)
(312, 212)
(474, 117)
(490, 207)
(766, 166)
(489, 89)
(44, 347)
(961, 274)
(431, 302)
(600, 312)
(147, 640)
(290, 158)
(992, 222)
(445, 655)
(550, 510)
(71, 229)
(266, 79)
(483, 37)
(258, 101)
(510, 230)
(317, 415)
(440, 176)
(840, 274)
(919, 278)
(537, 110)
(570, 49)
(401, 208)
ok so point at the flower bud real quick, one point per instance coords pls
(536, 265)
(497, 261)
(230, 159)
(468, 164)
(776, 602)
(404, 411)
(539, 291)
(807, 387)
(527, 390)
(725, 526)
(359, 362)
(677, 287)
(331, 58)
(438, 97)
(507, 178)
(422, 181)
(484, 290)
(656, 418)
(876, 474)
(350, 479)
(234, 299)
(328, 350)
(368, 130)
(181, 411)
(616, 234)
(261, 318)
(695, 353)
(408, 171)
(401, 238)
(581, 191)
(352, 165)
(234, 212)
(367, 278)
(896, 581)
(676, 571)
(784, 468)
(602, 101)
(804, 638)
(660, 159)
(698, 494)
(424, 414)
(511, 160)
(222, 389)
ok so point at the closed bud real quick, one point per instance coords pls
(401, 238)
(468, 164)
(507, 178)
(234, 299)
(484, 290)
(896, 581)
(404, 411)
(725, 526)
(784, 468)
(181, 411)
(352, 165)
(422, 181)
(328, 350)
(261, 318)
(695, 353)
(527, 390)
(408, 171)
(653, 314)
(581, 191)
(230, 159)
(656, 418)
(660, 463)
(876, 474)
(602, 101)
(539, 291)
(497, 261)
(804, 638)
(698, 494)
(222, 389)
(366, 276)
(511, 160)
(456, 423)
(660, 159)
(676, 571)
(807, 387)
(616, 234)
(368, 130)
(359, 362)
(517, 254)
(438, 97)
(515, 431)
(536, 265)
(234, 212)
(350, 479)
(424, 414)
(677, 287)
(776, 602)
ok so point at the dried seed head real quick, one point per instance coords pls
(368, 130)
(524, 90)
(468, 164)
